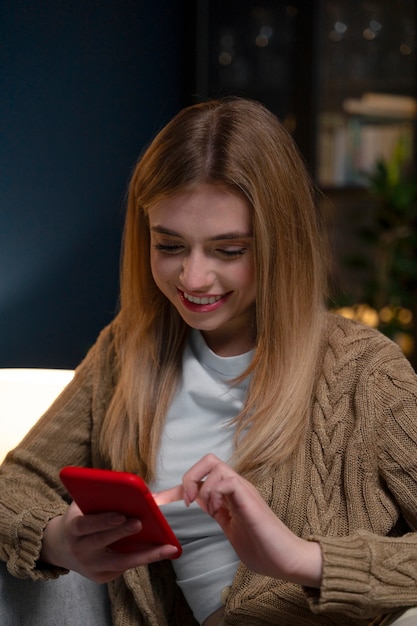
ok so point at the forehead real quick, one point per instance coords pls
(206, 208)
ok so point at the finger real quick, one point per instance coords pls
(80, 524)
(105, 538)
(198, 474)
(92, 523)
(216, 490)
(169, 495)
(115, 563)
(110, 564)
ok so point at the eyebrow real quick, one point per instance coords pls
(222, 237)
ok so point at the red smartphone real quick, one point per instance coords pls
(100, 491)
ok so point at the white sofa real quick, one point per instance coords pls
(25, 394)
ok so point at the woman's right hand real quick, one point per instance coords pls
(81, 543)
(261, 540)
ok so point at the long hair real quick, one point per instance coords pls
(240, 145)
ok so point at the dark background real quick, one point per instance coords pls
(84, 86)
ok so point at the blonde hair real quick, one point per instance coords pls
(239, 144)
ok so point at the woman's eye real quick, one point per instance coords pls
(231, 253)
(169, 248)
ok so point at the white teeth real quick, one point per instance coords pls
(205, 300)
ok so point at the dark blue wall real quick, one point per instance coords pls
(84, 85)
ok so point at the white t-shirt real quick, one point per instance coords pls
(198, 422)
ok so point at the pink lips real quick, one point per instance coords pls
(202, 308)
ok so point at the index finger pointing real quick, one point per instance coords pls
(169, 495)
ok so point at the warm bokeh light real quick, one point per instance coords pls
(389, 315)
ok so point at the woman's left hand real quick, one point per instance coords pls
(260, 538)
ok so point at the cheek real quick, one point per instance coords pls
(157, 270)
(154, 270)
(246, 275)
(247, 283)
(157, 263)
(162, 268)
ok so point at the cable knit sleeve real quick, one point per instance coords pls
(374, 567)
(67, 434)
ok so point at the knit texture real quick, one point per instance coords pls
(351, 486)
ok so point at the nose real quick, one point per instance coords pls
(197, 272)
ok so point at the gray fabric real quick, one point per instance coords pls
(407, 617)
(71, 600)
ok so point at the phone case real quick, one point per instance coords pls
(99, 491)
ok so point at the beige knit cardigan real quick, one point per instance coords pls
(352, 487)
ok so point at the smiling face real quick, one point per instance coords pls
(202, 261)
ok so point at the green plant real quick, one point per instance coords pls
(389, 293)
(393, 236)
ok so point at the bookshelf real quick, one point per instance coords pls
(366, 87)
(342, 77)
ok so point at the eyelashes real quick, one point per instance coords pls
(168, 249)
(231, 254)
(176, 249)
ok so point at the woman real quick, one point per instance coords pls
(294, 429)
